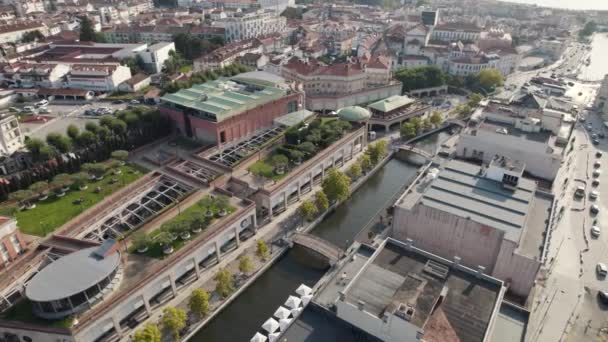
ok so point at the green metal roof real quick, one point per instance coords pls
(354, 113)
(224, 98)
(294, 118)
(391, 103)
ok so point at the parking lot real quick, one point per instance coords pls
(60, 116)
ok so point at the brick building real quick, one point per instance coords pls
(228, 109)
(12, 243)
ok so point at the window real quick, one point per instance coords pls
(4, 252)
(16, 244)
(222, 137)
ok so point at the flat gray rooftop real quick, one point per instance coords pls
(533, 240)
(397, 275)
(71, 274)
(459, 189)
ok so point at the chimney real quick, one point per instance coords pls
(361, 305)
(457, 261)
(480, 271)
(409, 243)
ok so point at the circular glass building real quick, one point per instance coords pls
(73, 283)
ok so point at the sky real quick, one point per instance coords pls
(570, 4)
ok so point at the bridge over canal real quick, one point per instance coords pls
(318, 245)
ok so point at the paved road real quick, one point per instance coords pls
(566, 307)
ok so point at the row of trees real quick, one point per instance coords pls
(463, 110)
(336, 184)
(174, 320)
(421, 77)
(415, 126)
(202, 77)
(60, 153)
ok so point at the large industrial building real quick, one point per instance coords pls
(486, 216)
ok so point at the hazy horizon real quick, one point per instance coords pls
(569, 4)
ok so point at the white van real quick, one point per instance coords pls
(601, 269)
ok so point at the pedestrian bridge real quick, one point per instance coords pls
(318, 245)
(416, 150)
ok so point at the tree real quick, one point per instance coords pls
(60, 142)
(420, 77)
(80, 179)
(46, 152)
(489, 79)
(141, 240)
(199, 303)
(97, 170)
(377, 151)
(121, 155)
(417, 123)
(32, 36)
(149, 333)
(87, 33)
(366, 162)
(589, 28)
(261, 250)
(173, 321)
(321, 201)
(245, 264)
(73, 132)
(21, 196)
(307, 210)
(474, 100)
(463, 110)
(279, 162)
(426, 124)
(225, 282)
(355, 170)
(86, 139)
(61, 181)
(292, 13)
(40, 188)
(173, 63)
(436, 118)
(34, 145)
(407, 131)
(336, 185)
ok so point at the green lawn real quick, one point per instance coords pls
(22, 312)
(264, 169)
(53, 212)
(155, 250)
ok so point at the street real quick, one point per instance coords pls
(565, 305)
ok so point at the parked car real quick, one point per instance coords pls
(595, 183)
(596, 142)
(134, 102)
(594, 195)
(580, 191)
(597, 165)
(41, 103)
(603, 295)
(44, 110)
(595, 231)
(118, 102)
(601, 135)
(594, 209)
(601, 269)
(27, 109)
(598, 154)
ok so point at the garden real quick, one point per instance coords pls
(175, 233)
(302, 142)
(45, 206)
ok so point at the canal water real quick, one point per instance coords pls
(240, 320)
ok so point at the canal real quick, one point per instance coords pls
(240, 320)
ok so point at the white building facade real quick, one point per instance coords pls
(251, 25)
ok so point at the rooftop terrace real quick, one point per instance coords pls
(436, 292)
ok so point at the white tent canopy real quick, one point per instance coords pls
(258, 338)
(304, 290)
(306, 299)
(296, 312)
(282, 313)
(271, 325)
(293, 302)
(273, 337)
(284, 323)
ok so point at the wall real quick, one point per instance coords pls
(316, 103)
(162, 279)
(448, 235)
(395, 330)
(533, 154)
(517, 271)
